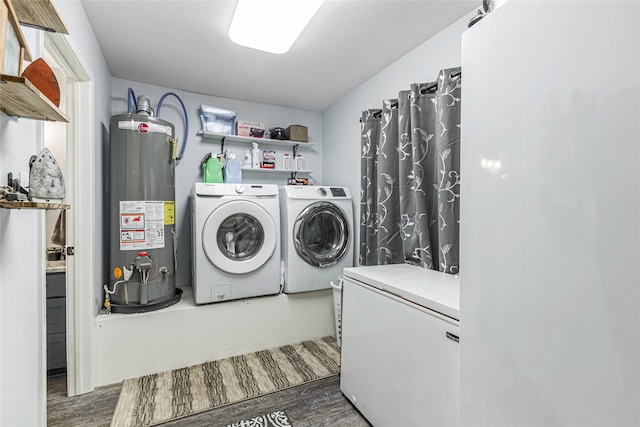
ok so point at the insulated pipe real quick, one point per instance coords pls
(186, 120)
(130, 95)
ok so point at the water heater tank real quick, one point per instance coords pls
(142, 256)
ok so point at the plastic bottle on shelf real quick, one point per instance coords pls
(256, 156)
(286, 161)
(299, 162)
(212, 170)
(246, 162)
(232, 171)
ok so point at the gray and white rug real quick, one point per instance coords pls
(166, 396)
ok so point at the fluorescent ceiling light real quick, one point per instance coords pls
(271, 25)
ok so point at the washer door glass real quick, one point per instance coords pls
(239, 237)
(321, 234)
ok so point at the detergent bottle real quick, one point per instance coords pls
(232, 170)
(212, 170)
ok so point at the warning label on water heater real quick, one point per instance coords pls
(141, 225)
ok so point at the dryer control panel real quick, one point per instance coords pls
(338, 192)
(313, 192)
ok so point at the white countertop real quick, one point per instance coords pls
(58, 266)
(431, 289)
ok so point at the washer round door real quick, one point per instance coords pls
(321, 234)
(239, 237)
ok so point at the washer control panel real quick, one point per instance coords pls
(211, 189)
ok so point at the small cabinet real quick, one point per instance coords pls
(56, 321)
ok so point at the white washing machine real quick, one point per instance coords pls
(317, 236)
(236, 241)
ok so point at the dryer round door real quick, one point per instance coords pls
(321, 234)
(239, 237)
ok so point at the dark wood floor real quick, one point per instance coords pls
(319, 403)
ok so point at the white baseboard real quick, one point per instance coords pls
(131, 345)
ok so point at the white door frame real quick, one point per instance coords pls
(81, 218)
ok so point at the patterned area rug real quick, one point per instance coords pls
(158, 398)
(274, 419)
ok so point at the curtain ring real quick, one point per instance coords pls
(374, 113)
(429, 87)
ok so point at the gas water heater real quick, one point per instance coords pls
(142, 265)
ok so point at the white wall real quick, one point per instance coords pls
(21, 285)
(22, 317)
(341, 126)
(188, 169)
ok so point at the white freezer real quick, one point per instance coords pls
(400, 357)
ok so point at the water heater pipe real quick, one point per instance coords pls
(186, 120)
(130, 94)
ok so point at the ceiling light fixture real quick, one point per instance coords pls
(271, 25)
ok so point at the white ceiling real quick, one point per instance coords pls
(183, 45)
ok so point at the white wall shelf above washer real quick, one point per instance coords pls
(249, 140)
(282, 171)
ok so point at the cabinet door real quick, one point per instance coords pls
(56, 315)
(56, 285)
(56, 351)
(398, 366)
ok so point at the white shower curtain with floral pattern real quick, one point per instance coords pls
(410, 188)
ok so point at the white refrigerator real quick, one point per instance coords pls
(550, 213)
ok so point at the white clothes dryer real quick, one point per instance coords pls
(236, 241)
(317, 236)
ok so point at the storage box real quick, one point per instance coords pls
(297, 133)
(217, 120)
(252, 129)
(268, 159)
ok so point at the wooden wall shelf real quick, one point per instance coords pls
(19, 97)
(40, 14)
(32, 205)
